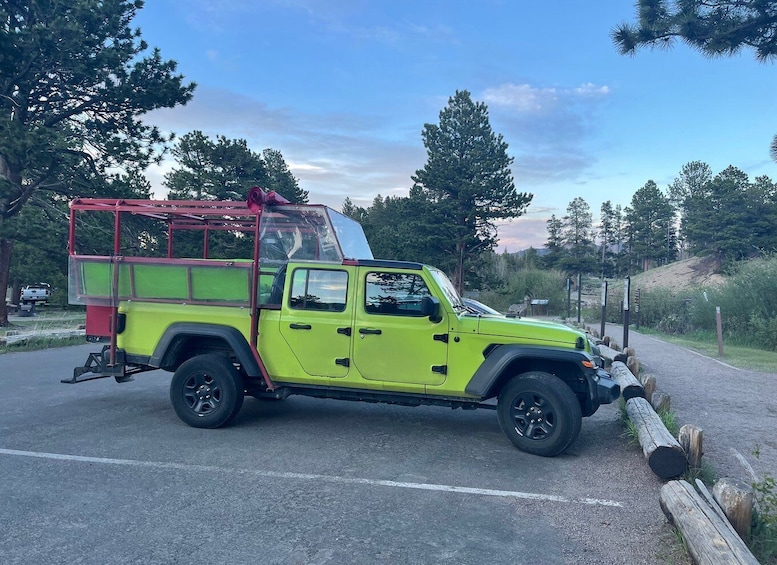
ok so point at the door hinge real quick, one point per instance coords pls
(442, 369)
(345, 362)
(344, 331)
(441, 337)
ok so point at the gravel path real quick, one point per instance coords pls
(737, 409)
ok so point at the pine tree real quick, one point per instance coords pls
(468, 179)
(75, 82)
(578, 238)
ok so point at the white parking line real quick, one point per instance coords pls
(311, 477)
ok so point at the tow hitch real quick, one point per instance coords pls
(97, 366)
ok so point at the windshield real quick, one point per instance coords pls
(310, 233)
(448, 289)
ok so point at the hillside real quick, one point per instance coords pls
(693, 272)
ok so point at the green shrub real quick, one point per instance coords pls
(534, 283)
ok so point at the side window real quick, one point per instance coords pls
(397, 294)
(318, 289)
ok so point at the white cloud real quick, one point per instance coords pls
(548, 129)
(332, 155)
(521, 98)
(590, 89)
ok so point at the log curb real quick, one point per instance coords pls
(709, 535)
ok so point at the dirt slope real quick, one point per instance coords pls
(693, 272)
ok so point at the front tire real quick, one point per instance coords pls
(206, 391)
(539, 413)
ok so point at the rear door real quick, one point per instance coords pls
(316, 319)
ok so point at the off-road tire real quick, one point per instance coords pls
(539, 413)
(206, 391)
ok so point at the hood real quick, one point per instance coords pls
(529, 330)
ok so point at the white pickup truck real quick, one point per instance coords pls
(35, 294)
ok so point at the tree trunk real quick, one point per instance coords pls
(6, 246)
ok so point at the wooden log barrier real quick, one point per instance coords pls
(630, 386)
(607, 353)
(736, 500)
(711, 540)
(691, 439)
(664, 454)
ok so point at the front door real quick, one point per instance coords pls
(393, 341)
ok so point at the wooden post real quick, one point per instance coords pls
(664, 455)
(661, 401)
(633, 364)
(719, 326)
(604, 305)
(649, 384)
(691, 439)
(709, 538)
(626, 313)
(736, 500)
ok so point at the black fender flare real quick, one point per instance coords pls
(230, 335)
(486, 378)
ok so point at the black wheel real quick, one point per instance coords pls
(539, 413)
(206, 391)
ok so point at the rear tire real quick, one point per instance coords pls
(539, 413)
(206, 391)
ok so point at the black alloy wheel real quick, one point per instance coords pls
(539, 413)
(206, 391)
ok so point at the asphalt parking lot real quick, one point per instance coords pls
(102, 472)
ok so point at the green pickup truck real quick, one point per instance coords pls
(313, 313)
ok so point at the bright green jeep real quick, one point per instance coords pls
(312, 313)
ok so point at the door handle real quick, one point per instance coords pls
(300, 326)
(369, 331)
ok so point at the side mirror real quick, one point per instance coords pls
(430, 306)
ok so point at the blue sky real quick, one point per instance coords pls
(343, 88)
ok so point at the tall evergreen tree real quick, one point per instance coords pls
(467, 177)
(607, 250)
(280, 179)
(578, 238)
(762, 198)
(651, 225)
(405, 228)
(726, 218)
(686, 191)
(555, 243)
(224, 169)
(75, 81)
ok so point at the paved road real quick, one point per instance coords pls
(105, 473)
(736, 408)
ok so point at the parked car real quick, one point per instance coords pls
(479, 308)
